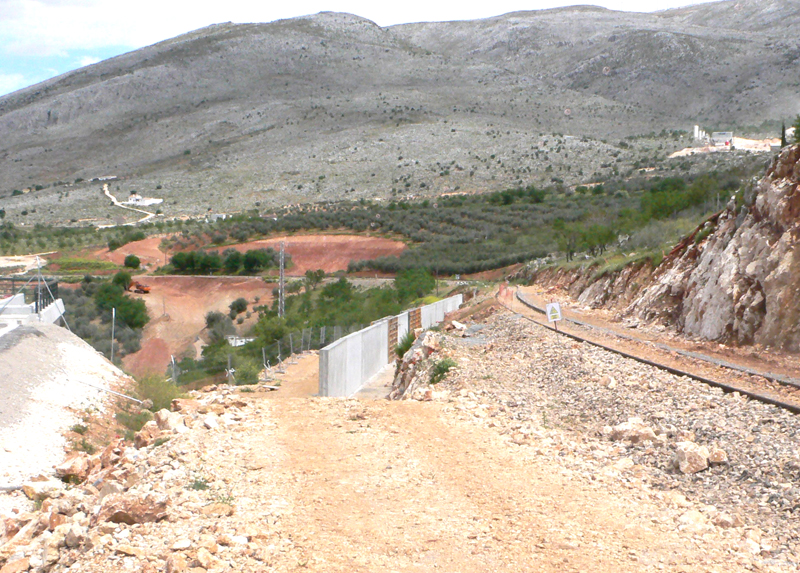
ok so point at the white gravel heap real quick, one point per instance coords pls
(47, 378)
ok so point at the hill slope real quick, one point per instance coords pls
(331, 106)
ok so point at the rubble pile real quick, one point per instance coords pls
(413, 369)
(161, 505)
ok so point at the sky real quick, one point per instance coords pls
(40, 39)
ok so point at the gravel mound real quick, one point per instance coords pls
(48, 376)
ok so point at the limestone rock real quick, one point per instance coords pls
(75, 467)
(176, 563)
(218, 509)
(122, 508)
(17, 566)
(717, 456)
(75, 536)
(181, 545)
(40, 490)
(126, 549)
(167, 420)
(690, 458)
(634, 431)
(147, 435)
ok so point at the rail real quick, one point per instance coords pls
(791, 407)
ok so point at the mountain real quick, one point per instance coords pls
(332, 106)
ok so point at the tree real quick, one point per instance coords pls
(233, 261)
(414, 283)
(258, 259)
(132, 262)
(238, 306)
(122, 279)
(164, 246)
(218, 326)
(313, 278)
(796, 126)
(783, 134)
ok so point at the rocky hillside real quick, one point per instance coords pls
(735, 279)
(332, 106)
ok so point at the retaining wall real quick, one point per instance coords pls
(347, 364)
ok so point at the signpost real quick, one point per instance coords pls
(553, 311)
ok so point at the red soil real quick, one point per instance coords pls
(330, 253)
(186, 301)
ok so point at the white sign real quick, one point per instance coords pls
(553, 311)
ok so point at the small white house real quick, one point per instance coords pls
(722, 139)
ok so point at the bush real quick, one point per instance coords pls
(132, 262)
(238, 306)
(441, 368)
(405, 344)
(123, 279)
(158, 390)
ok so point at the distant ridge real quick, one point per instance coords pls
(332, 106)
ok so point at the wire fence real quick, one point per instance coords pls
(271, 358)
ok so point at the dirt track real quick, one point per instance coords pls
(413, 486)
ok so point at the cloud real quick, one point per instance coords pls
(88, 61)
(12, 82)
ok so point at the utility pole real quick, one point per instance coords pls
(113, 324)
(281, 284)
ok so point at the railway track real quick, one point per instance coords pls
(779, 391)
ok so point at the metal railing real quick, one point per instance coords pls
(39, 292)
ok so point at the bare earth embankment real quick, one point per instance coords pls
(178, 306)
(331, 253)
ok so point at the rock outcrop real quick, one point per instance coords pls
(737, 285)
(740, 284)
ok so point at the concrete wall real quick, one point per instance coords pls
(402, 325)
(434, 313)
(347, 364)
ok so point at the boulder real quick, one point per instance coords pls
(168, 421)
(130, 509)
(41, 489)
(147, 435)
(16, 566)
(690, 458)
(634, 431)
(184, 405)
(74, 468)
(75, 536)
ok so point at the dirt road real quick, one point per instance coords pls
(410, 486)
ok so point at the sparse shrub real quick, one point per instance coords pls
(199, 484)
(80, 429)
(238, 306)
(158, 390)
(441, 368)
(405, 344)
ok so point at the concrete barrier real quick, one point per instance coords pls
(347, 364)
